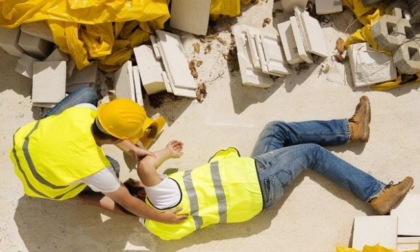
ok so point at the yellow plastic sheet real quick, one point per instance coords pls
(367, 16)
(366, 248)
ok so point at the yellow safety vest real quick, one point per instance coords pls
(51, 155)
(225, 190)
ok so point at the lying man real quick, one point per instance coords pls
(230, 188)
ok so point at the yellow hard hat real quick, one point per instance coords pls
(122, 118)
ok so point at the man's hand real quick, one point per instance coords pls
(171, 216)
(175, 148)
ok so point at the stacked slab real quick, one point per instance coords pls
(163, 66)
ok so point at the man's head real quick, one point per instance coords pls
(121, 118)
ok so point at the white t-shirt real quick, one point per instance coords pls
(164, 195)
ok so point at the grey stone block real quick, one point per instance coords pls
(407, 57)
(390, 32)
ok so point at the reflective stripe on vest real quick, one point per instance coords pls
(205, 200)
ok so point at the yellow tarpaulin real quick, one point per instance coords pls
(105, 30)
(366, 248)
(367, 16)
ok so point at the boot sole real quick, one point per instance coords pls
(366, 128)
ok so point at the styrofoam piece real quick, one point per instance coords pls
(24, 65)
(272, 58)
(137, 85)
(371, 230)
(311, 32)
(155, 47)
(9, 39)
(124, 82)
(38, 29)
(190, 15)
(289, 43)
(249, 75)
(35, 46)
(150, 69)
(48, 81)
(86, 75)
(328, 6)
(408, 216)
(175, 61)
(369, 66)
(251, 34)
(300, 44)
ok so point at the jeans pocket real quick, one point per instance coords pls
(268, 192)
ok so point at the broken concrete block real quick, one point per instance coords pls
(175, 60)
(190, 15)
(369, 66)
(24, 65)
(87, 75)
(270, 53)
(408, 216)
(289, 5)
(311, 31)
(150, 69)
(300, 44)
(251, 34)
(57, 55)
(371, 230)
(48, 82)
(289, 43)
(38, 29)
(328, 6)
(124, 82)
(35, 46)
(398, 9)
(155, 47)
(9, 39)
(390, 32)
(407, 57)
(137, 86)
(249, 75)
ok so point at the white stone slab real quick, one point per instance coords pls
(251, 35)
(167, 83)
(288, 5)
(312, 35)
(24, 65)
(38, 29)
(137, 85)
(150, 69)
(272, 58)
(124, 82)
(250, 76)
(300, 44)
(48, 81)
(155, 47)
(408, 243)
(175, 61)
(9, 39)
(190, 15)
(35, 46)
(87, 75)
(369, 66)
(408, 213)
(371, 230)
(328, 6)
(289, 44)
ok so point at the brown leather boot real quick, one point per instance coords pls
(391, 196)
(359, 122)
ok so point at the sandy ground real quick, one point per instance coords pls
(314, 215)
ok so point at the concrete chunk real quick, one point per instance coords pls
(289, 5)
(407, 57)
(190, 15)
(87, 75)
(369, 66)
(24, 65)
(249, 75)
(408, 216)
(48, 81)
(124, 82)
(35, 46)
(150, 69)
(328, 6)
(289, 43)
(272, 58)
(300, 44)
(137, 86)
(9, 39)
(38, 29)
(371, 230)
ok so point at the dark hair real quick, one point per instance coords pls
(101, 135)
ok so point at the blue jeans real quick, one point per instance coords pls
(284, 150)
